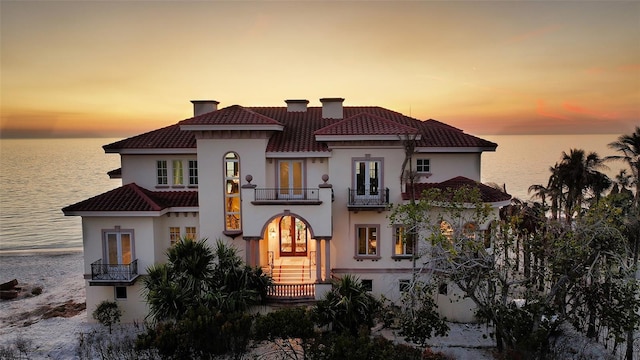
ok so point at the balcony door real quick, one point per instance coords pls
(118, 248)
(367, 178)
(293, 236)
(290, 179)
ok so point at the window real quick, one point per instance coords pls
(178, 178)
(232, 191)
(161, 172)
(290, 179)
(367, 284)
(443, 289)
(367, 240)
(121, 293)
(367, 177)
(193, 172)
(190, 232)
(403, 285)
(403, 242)
(174, 235)
(118, 247)
(446, 229)
(422, 165)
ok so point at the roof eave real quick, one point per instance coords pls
(386, 137)
(250, 127)
(457, 149)
(86, 213)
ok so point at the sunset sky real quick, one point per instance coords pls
(98, 68)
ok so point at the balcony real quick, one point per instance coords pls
(360, 200)
(285, 196)
(113, 274)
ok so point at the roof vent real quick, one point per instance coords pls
(297, 105)
(204, 106)
(332, 108)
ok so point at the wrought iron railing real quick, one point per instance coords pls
(291, 291)
(360, 197)
(287, 194)
(114, 272)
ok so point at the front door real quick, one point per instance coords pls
(293, 236)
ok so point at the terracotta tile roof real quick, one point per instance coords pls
(487, 193)
(232, 115)
(299, 128)
(364, 123)
(170, 137)
(132, 197)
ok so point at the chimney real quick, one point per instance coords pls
(332, 108)
(204, 106)
(297, 105)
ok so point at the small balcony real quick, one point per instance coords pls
(284, 196)
(362, 200)
(113, 274)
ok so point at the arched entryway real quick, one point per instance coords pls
(293, 236)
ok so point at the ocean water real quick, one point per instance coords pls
(38, 177)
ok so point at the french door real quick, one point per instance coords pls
(293, 237)
(367, 178)
(118, 248)
(290, 179)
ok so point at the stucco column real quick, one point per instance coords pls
(327, 257)
(247, 251)
(318, 260)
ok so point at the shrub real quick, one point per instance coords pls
(107, 313)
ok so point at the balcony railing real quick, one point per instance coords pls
(363, 200)
(287, 194)
(119, 273)
(292, 292)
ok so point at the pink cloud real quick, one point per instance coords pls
(542, 110)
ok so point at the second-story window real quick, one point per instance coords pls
(423, 165)
(174, 235)
(178, 174)
(193, 172)
(162, 175)
(232, 191)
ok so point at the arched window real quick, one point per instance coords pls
(469, 230)
(446, 229)
(232, 191)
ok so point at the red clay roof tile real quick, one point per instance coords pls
(488, 193)
(364, 123)
(132, 197)
(299, 129)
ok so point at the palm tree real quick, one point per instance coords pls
(347, 307)
(578, 173)
(629, 146)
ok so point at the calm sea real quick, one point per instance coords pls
(40, 176)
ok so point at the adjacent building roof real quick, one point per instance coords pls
(132, 197)
(295, 131)
(488, 193)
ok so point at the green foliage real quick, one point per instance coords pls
(198, 301)
(363, 347)
(294, 322)
(107, 313)
(348, 307)
(199, 334)
(419, 319)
